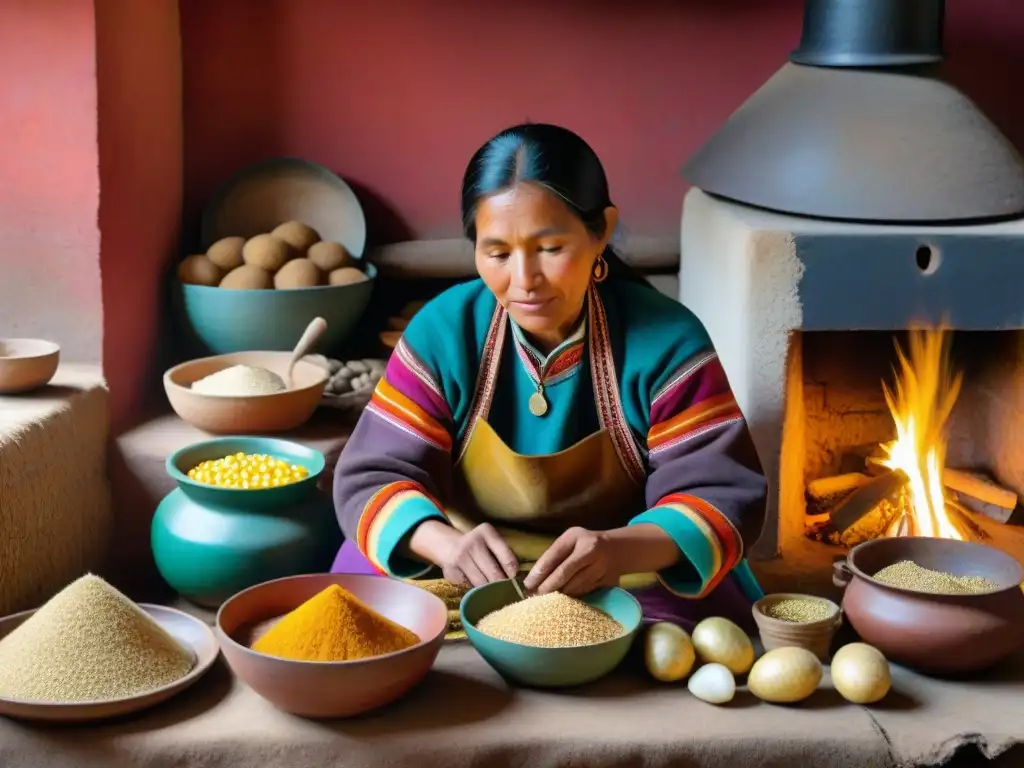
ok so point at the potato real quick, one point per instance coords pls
(298, 235)
(247, 278)
(267, 252)
(719, 640)
(226, 253)
(199, 270)
(785, 675)
(345, 276)
(668, 652)
(298, 273)
(860, 673)
(329, 256)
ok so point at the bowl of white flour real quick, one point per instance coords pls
(245, 393)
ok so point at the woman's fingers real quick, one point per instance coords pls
(473, 573)
(565, 571)
(584, 581)
(486, 561)
(454, 574)
(503, 554)
(552, 558)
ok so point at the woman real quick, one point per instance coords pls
(557, 415)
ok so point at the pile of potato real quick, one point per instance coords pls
(292, 255)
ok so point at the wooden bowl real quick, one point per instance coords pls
(947, 634)
(27, 364)
(187, 630)
(331, 689)
(814, 636)
(249, 414)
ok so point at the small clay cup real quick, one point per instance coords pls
(815, 636)
(936, 633)
(27, 364)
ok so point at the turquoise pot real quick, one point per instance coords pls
(550, 667)
(210, 543)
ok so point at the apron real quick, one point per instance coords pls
(597, 484)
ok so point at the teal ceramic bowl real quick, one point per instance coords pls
(209, 543)
(226, 321)
(550, 667)
(180, 462)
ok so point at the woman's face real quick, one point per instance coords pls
(537, 258)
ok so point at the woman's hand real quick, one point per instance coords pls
(579, 561)
(476, 557)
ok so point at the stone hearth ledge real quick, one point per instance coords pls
(463, 712)
(55, 507)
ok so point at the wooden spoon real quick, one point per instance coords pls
(310, 336)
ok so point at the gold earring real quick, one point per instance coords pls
(600, 269)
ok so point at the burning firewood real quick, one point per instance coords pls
(961, 518)
(868, 512)
(874, 462)
(826, 493)
(981, 495)
(866, 498)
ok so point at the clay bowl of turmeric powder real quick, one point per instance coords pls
(937, 605)
(331, 645)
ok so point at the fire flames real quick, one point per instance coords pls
(920, 401)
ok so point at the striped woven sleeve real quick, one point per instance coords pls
(396, 465)
(705, 486)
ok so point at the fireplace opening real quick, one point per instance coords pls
(902, 433)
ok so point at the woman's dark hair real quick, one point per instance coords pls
(551, 157)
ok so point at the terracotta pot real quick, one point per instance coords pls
(815, 636)
(931, 632)
(331, 689)
(246, 414)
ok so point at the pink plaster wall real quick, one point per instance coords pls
(140, 150)
(49, 176)
(393, 94)
(396, 94)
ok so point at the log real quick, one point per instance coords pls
(961, 518)
(866, 498)
(981, 495)
(855, 459)
(826, 493)
(826, 487)
(874, 462)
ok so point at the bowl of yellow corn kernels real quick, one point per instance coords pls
(246, 510)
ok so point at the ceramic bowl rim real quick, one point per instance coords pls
(832, 622)
(179, 477)
(941, 596)
(199, 666)
(170, 384)
(271, 164)
(305, 664)
(508, 644)
(368, 269)
(53, 348)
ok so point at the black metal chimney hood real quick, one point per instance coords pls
(860, 126)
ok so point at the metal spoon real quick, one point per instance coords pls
(309, 338)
